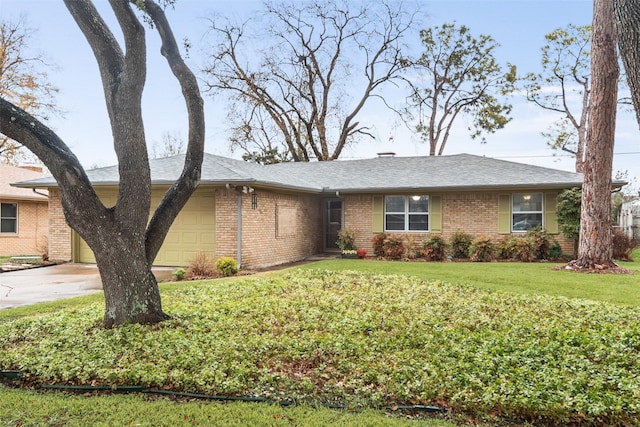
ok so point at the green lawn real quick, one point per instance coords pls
(496, 342)
(519, 278)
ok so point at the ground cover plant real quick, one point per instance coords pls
(355, 339)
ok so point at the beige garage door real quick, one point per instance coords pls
(193, 230)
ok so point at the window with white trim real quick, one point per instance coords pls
(8, 218)
(406, 213)
(526, 211)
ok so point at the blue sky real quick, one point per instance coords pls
(518, 26)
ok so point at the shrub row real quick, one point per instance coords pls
(535, 245)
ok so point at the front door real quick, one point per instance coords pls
(332, 223)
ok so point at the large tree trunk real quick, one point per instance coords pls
(595, 248)
(130, 289)
(627, 15)
(124, 241)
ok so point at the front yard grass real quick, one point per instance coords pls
(359, 340)
(513, 277)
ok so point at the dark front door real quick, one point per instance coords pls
(332, 223)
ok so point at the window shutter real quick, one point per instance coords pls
(550, 218)
(504, 214)
(378, 214)
(435, 214)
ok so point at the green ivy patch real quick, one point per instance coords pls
(358, 339)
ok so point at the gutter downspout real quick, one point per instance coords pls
(239, 220)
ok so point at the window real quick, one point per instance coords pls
(526, 211)
(8, 217)
(406, 213)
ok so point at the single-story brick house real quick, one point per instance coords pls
(268, 215)
(24, 213)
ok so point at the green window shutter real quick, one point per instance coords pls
(504, 214)
(435, 213)
(378, 214)
(550, 218)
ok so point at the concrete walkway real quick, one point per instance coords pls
(34, 285)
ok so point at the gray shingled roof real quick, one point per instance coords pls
(456, 172)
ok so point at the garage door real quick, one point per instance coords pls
(192, 231)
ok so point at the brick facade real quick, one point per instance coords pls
(475, 213)
(288, 227)
(60, 241)
(279, 228)
(31, 238)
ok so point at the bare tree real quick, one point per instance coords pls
(627, 14)
(171, 145)
(594, 248)
(22, 82)
(124, 242)
(457, 75)
(317, 65)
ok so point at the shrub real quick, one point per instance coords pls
(434, 248)
(460, 244)
(362, 252)
(482, 249)
(555, 252)
(412, 249)
(346, 240)
(523, 250)
(393, 247)
(568, 213)
(201, 265)
(540, 243)
(179, 273)
(506, 248)
(378, 244)
(622, 245)
(227, 266)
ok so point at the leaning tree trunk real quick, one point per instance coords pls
(595, 245)
(627, 14)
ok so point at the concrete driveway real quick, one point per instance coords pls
(30, 286)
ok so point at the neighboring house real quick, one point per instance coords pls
(629, 218)
(24, 214)
(268, 215)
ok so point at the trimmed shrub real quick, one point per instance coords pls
(393, 247)
(523, 250)
(482, 249)
(540, 243)
(434, 248)
(378, 244)
(506, 248)
(460, 244)
(622, 245)
(227, 266)
(555, 252)
(412, 249)
(346, 240)
(179, 273)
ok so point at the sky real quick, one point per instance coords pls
(519, 26)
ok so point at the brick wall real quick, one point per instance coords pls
(281, 228)
(31, 238)
(475, 213)
(59, 231)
